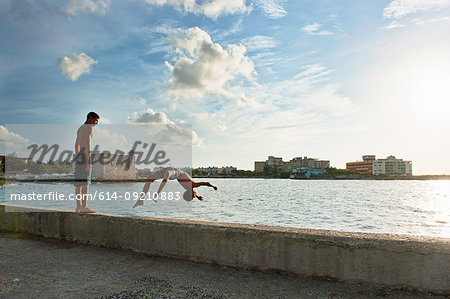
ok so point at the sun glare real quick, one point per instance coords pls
(439, 204)
(432, 87)
(421, 80)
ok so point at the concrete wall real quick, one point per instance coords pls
(394, 260)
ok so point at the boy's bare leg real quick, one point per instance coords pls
(77, 195)
(84, 208)
(161, 187)
(140, 202)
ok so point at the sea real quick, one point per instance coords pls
(376, 206)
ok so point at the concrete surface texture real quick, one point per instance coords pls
(38, 267)
(400, 261)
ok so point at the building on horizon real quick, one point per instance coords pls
(388, 166)
(271, 161)
(216, 170)
(294, 163)
(365, 166)
(392, 166)
(306, 172)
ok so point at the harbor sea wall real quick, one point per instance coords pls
(413, 262)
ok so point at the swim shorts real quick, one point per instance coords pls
(82, 177)
(176, 172)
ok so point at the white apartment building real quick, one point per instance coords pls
(391, 166)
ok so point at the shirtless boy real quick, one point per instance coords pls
(83, 162)
(171, 173)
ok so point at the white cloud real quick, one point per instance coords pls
(210, 8)
(394, 24)
(203, 115)
(307, 98)
(311, 74)
(274, 9)
(76, 66)
(104, 121)
(221, 128)
(400, 8)
(292, 111)
(170, 133)
(259, 42)
(12, 141)
(31, 9)
(88, 6)
(235, 28)
(149, 116)
(309, 93)
(435, 20)
(107, 140)
(204, 68)
(314, 29)
(197, 141)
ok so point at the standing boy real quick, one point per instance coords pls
(83, 162)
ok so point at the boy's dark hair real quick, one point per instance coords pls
(92, 115)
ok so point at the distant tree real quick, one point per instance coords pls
(270, 171)
(198, 172)
(35, 168)
(285, 174)
(244, 173)
(337, 171)
(2, 165)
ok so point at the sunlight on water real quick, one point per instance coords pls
(404, 207)
(438, 203)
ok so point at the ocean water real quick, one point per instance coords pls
(399, 207)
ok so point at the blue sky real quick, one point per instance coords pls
(327, 79)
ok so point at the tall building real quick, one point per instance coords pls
(275, 161)
(271, 161)
(217, 170)
(293, 164)
(392, 166)
(259, 165)
(364, 166)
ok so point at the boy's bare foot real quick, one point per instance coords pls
(138, 203)
(86, 210)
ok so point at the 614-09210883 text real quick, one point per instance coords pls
(103, 196)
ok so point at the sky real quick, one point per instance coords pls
(326, 79)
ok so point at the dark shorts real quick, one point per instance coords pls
(82, 177)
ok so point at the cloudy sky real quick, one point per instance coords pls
(326, 79)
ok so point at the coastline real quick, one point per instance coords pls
(141, 180)
(367, 178)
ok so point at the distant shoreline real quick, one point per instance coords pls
(141, 180)
(371, 178)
